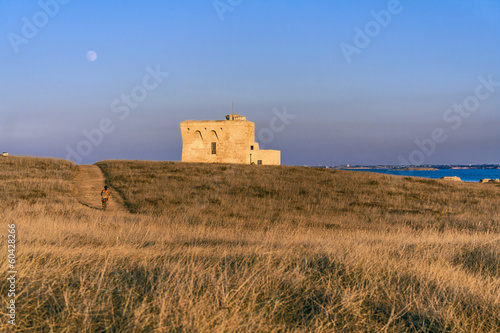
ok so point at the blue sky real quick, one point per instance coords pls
(378, 105)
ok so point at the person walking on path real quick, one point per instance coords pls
(105, 194)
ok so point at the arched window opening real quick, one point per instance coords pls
(198, 136)
(214, 136)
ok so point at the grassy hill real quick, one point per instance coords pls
(301, 197)
(251, 248)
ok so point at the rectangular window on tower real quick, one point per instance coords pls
(214, 148)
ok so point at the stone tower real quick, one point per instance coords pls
(224, 141)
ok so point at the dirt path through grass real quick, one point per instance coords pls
(87, 187)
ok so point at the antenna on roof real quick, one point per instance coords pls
(232, 108)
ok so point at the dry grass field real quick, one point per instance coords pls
(224, 248)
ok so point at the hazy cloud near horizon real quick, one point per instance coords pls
(395, 89)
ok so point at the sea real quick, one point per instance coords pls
(467, 175)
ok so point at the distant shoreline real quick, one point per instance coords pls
(417, 169)
(466, 175)
(435, 167)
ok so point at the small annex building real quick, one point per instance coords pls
(224, 141)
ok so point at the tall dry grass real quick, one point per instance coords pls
(261, 196)
(247, 248)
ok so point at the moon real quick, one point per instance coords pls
(91, 56)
